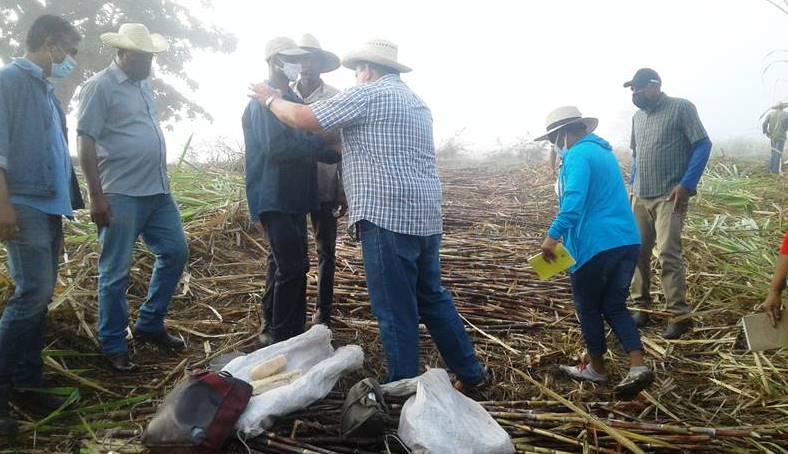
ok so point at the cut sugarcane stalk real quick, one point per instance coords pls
(273, 382)
(273, 366)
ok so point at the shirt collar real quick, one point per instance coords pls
(118, 74)
(318, 90)
(30, 67)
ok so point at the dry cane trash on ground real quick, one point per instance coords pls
(709, 395)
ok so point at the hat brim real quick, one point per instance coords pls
(328, 61)
(351, 60)
(590, 122)
(158, 45)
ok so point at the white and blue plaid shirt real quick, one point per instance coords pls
(389, 169)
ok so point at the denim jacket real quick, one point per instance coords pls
(25, 115)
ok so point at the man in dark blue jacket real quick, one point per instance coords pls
(37, 189)
(281, 188)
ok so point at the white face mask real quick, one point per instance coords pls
(291, 70)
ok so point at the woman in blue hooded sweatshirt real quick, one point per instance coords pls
(597, 227)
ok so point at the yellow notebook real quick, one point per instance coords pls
(547, 270)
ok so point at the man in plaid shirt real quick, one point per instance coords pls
(670, 149)
(394, 195)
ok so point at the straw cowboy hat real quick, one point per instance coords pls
(283, 45)
(567, 115)
(136, 37)
(378, 51)
(328, 61)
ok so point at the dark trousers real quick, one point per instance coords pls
(325, 226)
(600, 289)
(284, 301)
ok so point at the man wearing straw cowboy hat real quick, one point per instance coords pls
(311, 88)
(123, 157)
(394, 193)
(597, 227)
(670, 149)
(281, 188)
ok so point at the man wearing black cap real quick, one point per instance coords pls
(670, 149)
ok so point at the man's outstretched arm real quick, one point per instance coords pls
(298, 116)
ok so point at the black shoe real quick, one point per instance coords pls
(8, 425)
(678, 329)
(37, 400)
(162, 339)
(640, 318)
(121, 362)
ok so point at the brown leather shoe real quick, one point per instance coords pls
(678, 329)
(162, 339)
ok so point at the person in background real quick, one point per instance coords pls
(775, 126)
(281, 188)
(311, 88)
(670, 149)
(124, 159)
(394, 195)
(773, 304)
(38, 188)
(595, 224)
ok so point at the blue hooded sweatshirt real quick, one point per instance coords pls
(594, 214)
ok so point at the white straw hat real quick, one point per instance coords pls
(378, 51)
(567, 115)
(283, 46)
(136, 37)
(328, 60)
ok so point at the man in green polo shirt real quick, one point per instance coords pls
(670, 149)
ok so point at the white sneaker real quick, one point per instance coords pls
(584, 372)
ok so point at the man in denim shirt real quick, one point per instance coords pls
(123, 156)
(37, 189)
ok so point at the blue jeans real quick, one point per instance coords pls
(33, 258)
(404, 284)
(600, 289)
(775, 163)
(156, 218)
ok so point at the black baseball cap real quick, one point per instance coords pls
(643, 77)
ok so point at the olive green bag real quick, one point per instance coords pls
(364, 412)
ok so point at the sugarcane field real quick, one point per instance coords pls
(403, 228)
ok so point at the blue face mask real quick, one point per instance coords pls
(63, 69)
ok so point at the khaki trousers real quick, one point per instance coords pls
(659, 226)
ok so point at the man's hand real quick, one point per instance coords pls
(680, 198)
(7, 222)
(100, 211)
(261, 92)
(342, 206)
(773, 306)
(548, 249)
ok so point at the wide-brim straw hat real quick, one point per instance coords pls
(564, 116)
(377, 51)
(328, 60)
(283, 45)
(136, 37)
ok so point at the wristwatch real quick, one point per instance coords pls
(270, 101)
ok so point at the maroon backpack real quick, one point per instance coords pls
(198, 415)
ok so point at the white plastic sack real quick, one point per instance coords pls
(439, 419)
(321, 368)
